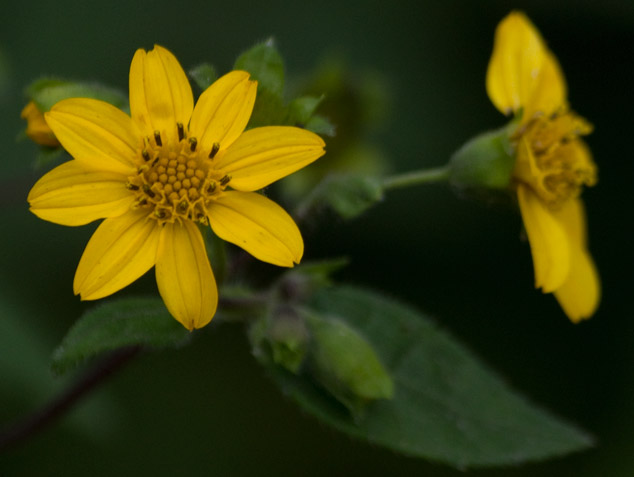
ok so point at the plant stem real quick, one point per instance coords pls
(31, 424)
(424, 176)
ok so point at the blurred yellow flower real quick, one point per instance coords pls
(36, 128)
(552, 163)
(158, 174)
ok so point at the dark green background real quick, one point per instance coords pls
(207, 409)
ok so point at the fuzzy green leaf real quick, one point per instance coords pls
(266, 66)
(348, 195)
(447, 405)
(118, 323)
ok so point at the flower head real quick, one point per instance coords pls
(157, 175)
(552, 163)
(36, 128)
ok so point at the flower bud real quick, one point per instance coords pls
(282, 338)
(346, 365)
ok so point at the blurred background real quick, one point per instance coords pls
(208, 409)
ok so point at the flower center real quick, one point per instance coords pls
(552, 159)
(176, 181)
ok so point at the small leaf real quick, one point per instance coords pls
(48, 91)
(321, 125)
(348, 195)
(447, 405)
(302, 109)
(203, 75)
(266, 66)
(118, 323)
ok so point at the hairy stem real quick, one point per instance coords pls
(26, 427)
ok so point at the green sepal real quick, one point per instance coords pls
(116, 324)
(485, 162)
(45, 92)
(46, 156)
(281, 338)
(346, 364)
(203, 75)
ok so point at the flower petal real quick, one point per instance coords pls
(263, 155)
(580, 294)
(522, 72)
(184, 276)
(550, 92)
(160, 94)
(258, 225)
(70, 194)
(36, 128)
(223, 110)
(120, 251)
(95, 133)
(549, 242)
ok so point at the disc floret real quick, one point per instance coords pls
(176, 180)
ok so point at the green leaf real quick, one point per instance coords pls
(203, 75)
(348, 195)
(118, 323)
(302, 109)
(265, 64)
(321, 125)
(447, 405)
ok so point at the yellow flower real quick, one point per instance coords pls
(158, 174)
(36, 127)
(552, 163)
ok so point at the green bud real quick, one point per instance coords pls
(484, 162)
(282, 338)
(346, 365)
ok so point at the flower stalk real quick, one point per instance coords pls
(414, 178)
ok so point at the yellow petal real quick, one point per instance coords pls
(550, 92)
(263, 155)
(160, 94)
(184, 276)
(548, 240)
(73, 195)
(223, 110)
(36, 128)
(522, 72)
(96, 133)
(258, 225)
(120, 251)
(580, 294)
